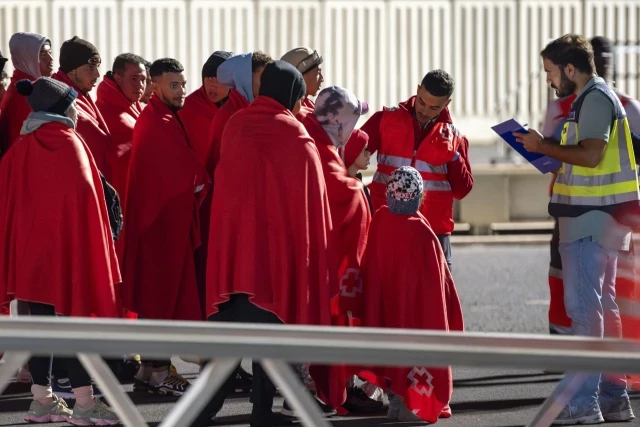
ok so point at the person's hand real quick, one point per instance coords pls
(532, 141)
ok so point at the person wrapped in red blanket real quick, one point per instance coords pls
(56, 241)
(31, 59)
(331, 124)
(166, 186)
(270, 219)
(242, 74)
(79, 68)
(408, 285)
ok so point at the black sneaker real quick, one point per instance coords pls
(243, 381)
(173, 385)
(327, 410)
(139, 385)
(358, 401)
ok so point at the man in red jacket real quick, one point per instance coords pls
(119, 96)
(420, 133)
(31, 58)
(79, 62)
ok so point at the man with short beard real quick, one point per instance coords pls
(31, 59)
(594, 189)
(166, 185)
(308, 62)
(119, 96)
(79, 68)
(420, 132)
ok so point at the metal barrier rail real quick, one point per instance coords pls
(274, 345)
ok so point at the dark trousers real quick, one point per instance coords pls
(40, 366)
(239, 309)
(445, 242)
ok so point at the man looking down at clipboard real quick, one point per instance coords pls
(627, 290)
(596, 181)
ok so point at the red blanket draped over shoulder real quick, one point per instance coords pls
(197, 114)
(350, 218)
(161, 228)
(91, 127)
(55, 241)
(120, 116)
(13, 112)
(235, 103)
(408, 285)
(270, 217)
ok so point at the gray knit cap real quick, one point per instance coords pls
(47, 94)
(404, 191)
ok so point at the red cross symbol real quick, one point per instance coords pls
(351, 283)
(421, 381)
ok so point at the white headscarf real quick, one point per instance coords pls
(338, 111)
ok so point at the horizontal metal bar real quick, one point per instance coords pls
(371, 346)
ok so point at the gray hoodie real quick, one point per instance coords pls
(25, 52)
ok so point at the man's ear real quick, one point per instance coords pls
(569, 70)
(447, 104)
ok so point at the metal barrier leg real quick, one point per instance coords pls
(12, 363)
(193, 401)
(555, 403)
(118, 398)
(296, 394)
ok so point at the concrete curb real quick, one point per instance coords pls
(507, 239)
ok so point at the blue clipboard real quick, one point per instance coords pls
(544, 164)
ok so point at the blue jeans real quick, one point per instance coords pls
(589, 274)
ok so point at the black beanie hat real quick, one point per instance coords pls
(76, 52)
(210, 68)
(47, 94)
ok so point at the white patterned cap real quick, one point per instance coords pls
(404, 191)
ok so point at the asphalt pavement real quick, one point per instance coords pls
(502, 288)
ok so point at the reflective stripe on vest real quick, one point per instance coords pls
(614, 180)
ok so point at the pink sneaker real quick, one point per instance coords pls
(55, 412)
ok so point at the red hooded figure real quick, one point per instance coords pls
(408, 285)
(269, 230)
(55, 238)
(330, 125)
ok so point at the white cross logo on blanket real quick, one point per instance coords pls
(421, 381)
(351, 283)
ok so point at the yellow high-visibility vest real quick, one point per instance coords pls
(612, 182)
